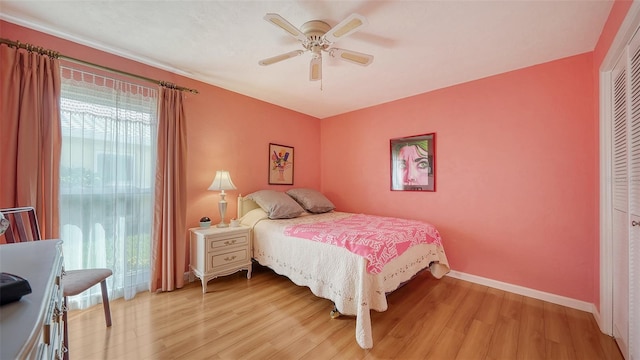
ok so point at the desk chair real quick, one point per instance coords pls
(23, 226)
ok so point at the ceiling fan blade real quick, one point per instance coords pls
(348, 26)
(315, 68)
(352, 56)
(280, 22)
(275, 59)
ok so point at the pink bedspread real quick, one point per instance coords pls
(378, 239)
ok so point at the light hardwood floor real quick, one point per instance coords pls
(268, 317)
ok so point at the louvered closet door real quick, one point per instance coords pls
(626, 201)
(633, 225)
(620, 207)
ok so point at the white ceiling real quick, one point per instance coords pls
(418, 46)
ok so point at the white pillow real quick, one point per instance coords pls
(278, 205)
(252, 217)
(312, 200)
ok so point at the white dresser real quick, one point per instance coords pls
(32, 328)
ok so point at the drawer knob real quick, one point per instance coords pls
(230, 242)
(60, 353)
(57, 315)
(230, 258)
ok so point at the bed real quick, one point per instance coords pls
(332, 272)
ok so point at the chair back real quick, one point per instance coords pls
(23, 224)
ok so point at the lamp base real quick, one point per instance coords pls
(222, 206)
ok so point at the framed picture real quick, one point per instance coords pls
(413, 163)
(280, 165)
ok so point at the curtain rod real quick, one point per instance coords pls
(55, 54)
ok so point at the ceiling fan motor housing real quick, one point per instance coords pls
(314, 30)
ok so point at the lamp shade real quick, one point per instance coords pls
(222, 181)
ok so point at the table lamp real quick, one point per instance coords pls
(222, 182)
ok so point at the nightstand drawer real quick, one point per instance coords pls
(215, 243)
(217, 260)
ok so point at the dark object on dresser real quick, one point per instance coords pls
(12, 288)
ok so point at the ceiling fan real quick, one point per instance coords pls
(316, 37)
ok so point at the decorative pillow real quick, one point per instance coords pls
(277, 204)
(312, 200)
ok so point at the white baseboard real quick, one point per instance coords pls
(599, 320)
(520, 290)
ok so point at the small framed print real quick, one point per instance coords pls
(280, 164)
(413, 163)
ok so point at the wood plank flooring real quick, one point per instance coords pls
(268, 317)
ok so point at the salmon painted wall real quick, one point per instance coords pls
(225, 130)
(516, 175)
(616, 16)
(516, 196)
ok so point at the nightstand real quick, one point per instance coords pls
(219, 252)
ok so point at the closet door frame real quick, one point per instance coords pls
(604, 316)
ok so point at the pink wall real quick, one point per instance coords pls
(517, 166)
(225, 130)
(516, 178)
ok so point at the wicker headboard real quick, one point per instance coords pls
(245, 205)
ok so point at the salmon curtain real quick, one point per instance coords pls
(169, 232)
(30, 139)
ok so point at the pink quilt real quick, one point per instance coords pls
(378, 239)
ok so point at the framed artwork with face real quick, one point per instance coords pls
(413, 163)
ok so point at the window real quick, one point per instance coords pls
(107, 169)
(114, 169)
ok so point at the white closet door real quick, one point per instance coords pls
(620, 209)
(626, 201)
(633, 224)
